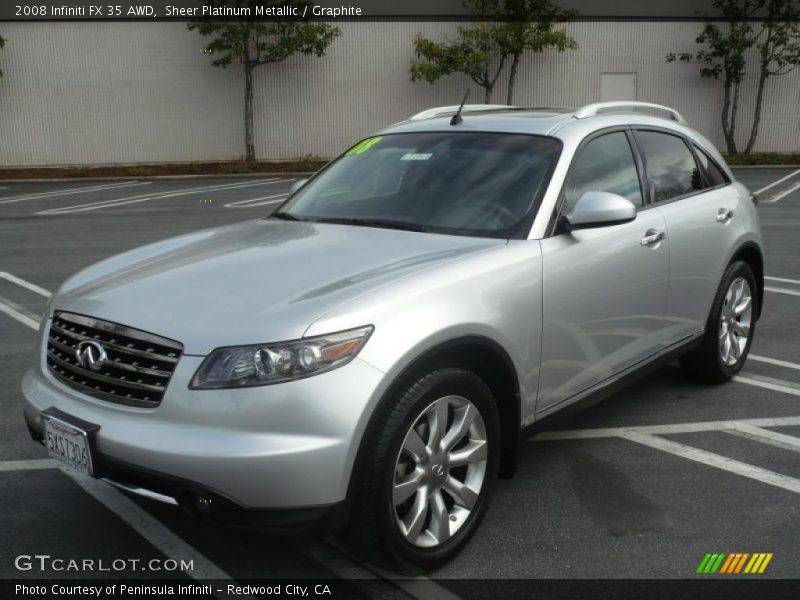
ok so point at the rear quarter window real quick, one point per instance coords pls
(714, 174)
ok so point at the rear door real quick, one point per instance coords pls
(699, 207)
(604, 289)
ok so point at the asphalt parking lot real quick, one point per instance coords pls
(642, 485)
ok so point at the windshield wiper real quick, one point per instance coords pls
(381, 223)
(284, 216)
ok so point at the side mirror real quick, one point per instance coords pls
(600, 209)
(297, 185)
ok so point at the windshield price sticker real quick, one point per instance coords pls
(364, 146)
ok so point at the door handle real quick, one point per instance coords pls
(724, 215)
(652, 236)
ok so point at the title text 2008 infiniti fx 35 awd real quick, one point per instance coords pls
(369, 355)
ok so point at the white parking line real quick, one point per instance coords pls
(769, 383)
(714, 460)
(19, 313)
(26, 284)
(418, 587)
(70, 191)
(765, 436)
(149, 528)
(137, 518)
(773, 361)
(27, 465)
(153, 196)
(667, 429)
(782, 291)
(166, 541)
(778, 182)
(782, 280)
(783, 194)
(256, 201)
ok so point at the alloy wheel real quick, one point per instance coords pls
(735, 321)
(440, 471)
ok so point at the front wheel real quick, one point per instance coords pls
(430, 470)
(729, 330)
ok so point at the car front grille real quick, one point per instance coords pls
(118, 364)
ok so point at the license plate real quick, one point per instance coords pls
(68, 444)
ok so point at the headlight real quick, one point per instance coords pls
(263, 364)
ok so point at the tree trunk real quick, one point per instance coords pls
(734, 113)
(730, 143)
(250, 150)
(762, 84)
(487, 96)
(512, 76)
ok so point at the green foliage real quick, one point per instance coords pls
(778, 42)
(764, 158)
(473, 54)
(138, 171)
(309, 163)
(724, 45)
(724, 52)
(237, 168)
(76, 172)
(255, 43)
(482, 50)
(533, 27)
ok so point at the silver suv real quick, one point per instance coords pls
(369, 356)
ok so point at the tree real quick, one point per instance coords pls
(2, 44)
(481, 51)
(252, 44)
(723, 57)
(476, 54)
(778, 45)
(532, 30)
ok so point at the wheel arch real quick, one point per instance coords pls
(487, 359)
(750, 253)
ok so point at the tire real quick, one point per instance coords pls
(709, 362)
(379, 529)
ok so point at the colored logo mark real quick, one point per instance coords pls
(734, 563)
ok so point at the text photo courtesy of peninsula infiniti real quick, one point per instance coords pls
(366, 359)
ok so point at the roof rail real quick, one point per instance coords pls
(591, 110)
(441, 111)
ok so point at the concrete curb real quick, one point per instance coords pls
(158, 177)
(764, 166)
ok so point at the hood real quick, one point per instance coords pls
(253, 282)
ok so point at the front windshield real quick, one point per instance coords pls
(482, 184)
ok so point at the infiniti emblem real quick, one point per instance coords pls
(438, 470)
(90, 355)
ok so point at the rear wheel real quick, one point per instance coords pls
(433, 462)
(729, 330)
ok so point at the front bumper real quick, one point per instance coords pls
(284, 446)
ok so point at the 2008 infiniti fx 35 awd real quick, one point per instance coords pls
(369, 355)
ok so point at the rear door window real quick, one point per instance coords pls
(671, 169)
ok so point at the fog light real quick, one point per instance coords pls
(203, 505)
